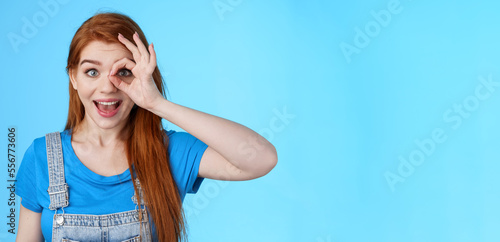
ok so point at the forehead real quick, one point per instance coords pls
(104, 52)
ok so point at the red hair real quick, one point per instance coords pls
(146, 145)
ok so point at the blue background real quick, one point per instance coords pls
(342, 122)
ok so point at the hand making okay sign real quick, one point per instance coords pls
(142, 90)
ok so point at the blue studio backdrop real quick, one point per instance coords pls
(383, 112)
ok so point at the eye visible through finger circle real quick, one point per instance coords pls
(124, 72)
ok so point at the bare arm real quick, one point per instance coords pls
(30, 229)
(234, 151)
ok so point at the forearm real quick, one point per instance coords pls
(229, 143)
(244, 148)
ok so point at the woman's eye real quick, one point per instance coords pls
(92, 72)
(124, 72)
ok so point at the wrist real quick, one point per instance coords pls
(158, 105)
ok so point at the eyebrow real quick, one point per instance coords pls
(90, 61)
(95, 62)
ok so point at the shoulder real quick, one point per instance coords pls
(182, 140)
(39, 148)
(177, 135)
(185, 152)
(34, 161)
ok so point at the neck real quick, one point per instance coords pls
(88, 131)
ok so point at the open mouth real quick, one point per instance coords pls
(108, 108)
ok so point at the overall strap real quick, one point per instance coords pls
(58, 189)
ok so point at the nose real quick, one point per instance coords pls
(106, 86)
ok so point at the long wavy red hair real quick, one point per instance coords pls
(147, 142)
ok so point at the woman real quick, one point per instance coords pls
(114, 173)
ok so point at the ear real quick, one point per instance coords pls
(72, 79)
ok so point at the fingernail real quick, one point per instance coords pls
(120, 35)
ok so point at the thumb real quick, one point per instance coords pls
(121, 85)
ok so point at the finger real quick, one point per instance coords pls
(130, 46)
(121, 85)
(142, 49)
(122, 63)
(152, 57)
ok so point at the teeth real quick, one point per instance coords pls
(107, 103)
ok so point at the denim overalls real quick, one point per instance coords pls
(123, 226)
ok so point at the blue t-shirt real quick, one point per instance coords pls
(91, 193)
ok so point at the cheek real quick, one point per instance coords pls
(129, 104)
(125, 97)
(84, 92)
(83, 99)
